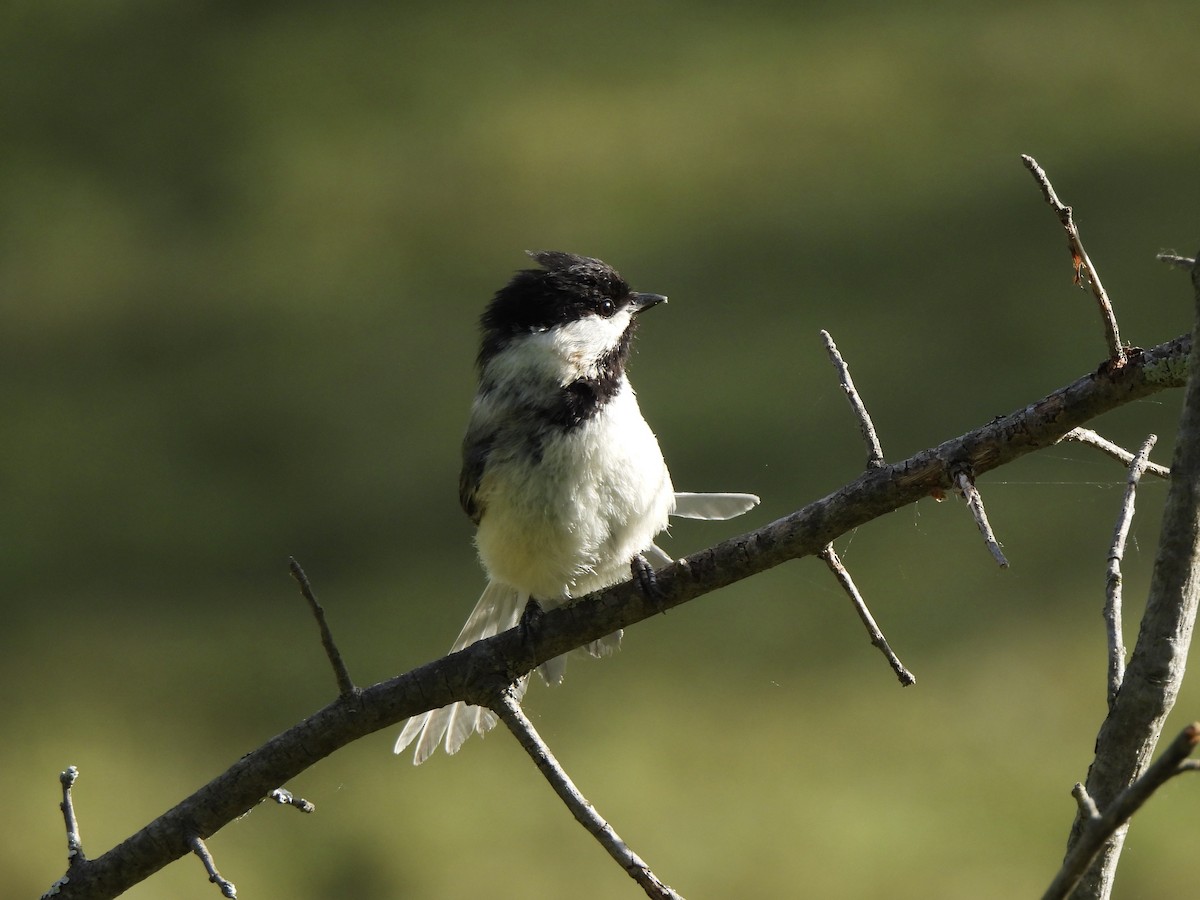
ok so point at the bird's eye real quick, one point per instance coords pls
(606, 307)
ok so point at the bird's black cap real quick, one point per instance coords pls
(566, 288)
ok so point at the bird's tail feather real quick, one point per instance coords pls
(712, 506)
(499, 609)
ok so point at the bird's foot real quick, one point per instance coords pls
(531, 618)
(647, 580)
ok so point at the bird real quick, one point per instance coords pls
(561, 474)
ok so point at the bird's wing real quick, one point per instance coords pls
(476, 447)
(498, 610)
(712, 506)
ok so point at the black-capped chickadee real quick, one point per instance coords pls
(562, 476)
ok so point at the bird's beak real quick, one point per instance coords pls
(642, 302)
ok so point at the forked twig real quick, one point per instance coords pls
(860, 606)
(1100, 825)
(1079, 259)
(507, 708)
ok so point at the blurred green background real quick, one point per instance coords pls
(243, 251)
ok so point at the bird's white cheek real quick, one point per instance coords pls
(591, 338)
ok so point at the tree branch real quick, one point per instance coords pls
(509, 711)
(513, 653)
(1097, 827)
(1155, 672)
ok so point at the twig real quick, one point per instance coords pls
(74, 842)
(1079, 259)
(874, 450)
(1112, 605)
(75, 857)
(1087, 806)
(507, 708)
(1174, 259)
(287, 798)
(345, 686)
(839, 572)
(1099, 826)
(1092, 439)
(227, 887)
(971, 493)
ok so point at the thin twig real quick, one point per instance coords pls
(227, 887)
(345, 685)
(1174, 259)
(1079, 259)
(1112, 605)
(843, 576)
(975, 502)
(1092, 439)
(75, 856)
(1099, 826)
(74, 842)
(287, 798)
(874, 450)
(507, 708)
(1087, 806)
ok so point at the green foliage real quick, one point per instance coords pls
(242, 251)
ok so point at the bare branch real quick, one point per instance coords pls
(513, 653)
(210, 866)
(964, 483)
(860, 606)
(1155, 671)
(1112, 606)
(874, 450)
(1092, 439)
(509, 711)
(345, 685)
(1079, 259)
(1097, 827)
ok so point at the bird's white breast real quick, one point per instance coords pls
(569, 519)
